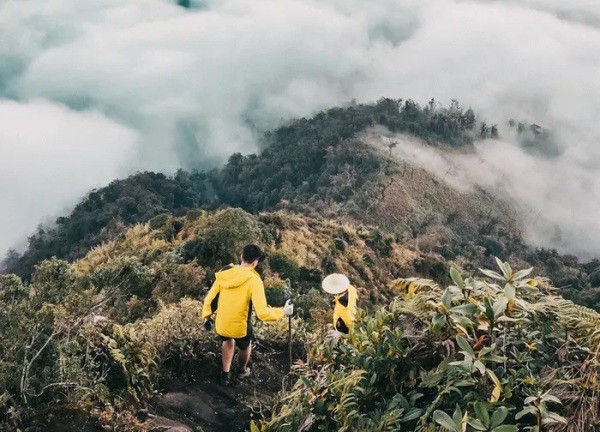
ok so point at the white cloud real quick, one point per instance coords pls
(199, 84)
(50, 155)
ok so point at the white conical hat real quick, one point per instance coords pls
(336, 283)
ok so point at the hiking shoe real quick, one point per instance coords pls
(245, 373)
(225, 378)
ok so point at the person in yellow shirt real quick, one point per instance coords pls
(344, 311)
(238, 289)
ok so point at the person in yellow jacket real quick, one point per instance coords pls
(237, 289)
(344, 311)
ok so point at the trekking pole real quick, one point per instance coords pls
(290, 342)
(288, 284)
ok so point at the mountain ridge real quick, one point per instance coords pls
(329, 165)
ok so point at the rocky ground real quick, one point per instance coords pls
(193, 400)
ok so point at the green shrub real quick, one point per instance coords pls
(378, 242)
(128, 284)
(221, 238)
(311, 303)
(12, 288)
(284, 266)
(339, 244)
(277, 292)
(483, 354)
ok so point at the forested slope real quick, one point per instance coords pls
(323, 166)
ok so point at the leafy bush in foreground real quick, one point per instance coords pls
(499, 354)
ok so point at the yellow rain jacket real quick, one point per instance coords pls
(345, 310)
(234, 292)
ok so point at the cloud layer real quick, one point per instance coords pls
(185, 88)
(49, 156)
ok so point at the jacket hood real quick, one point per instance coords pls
(235, 276)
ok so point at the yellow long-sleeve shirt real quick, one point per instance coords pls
(234, 290)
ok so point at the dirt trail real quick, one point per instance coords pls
(194, 401)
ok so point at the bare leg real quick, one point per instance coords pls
(245, 356)
(227, 351)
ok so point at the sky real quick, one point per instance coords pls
(91, 91)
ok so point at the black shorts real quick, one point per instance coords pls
(243, 342)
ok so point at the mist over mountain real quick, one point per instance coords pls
(184, 87)
(442, 155)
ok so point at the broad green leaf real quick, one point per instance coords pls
(466, 309)
(500, 306)
(479, 366)
(556, 418)
(492, 274)
(400, 400)
(463, 321)
(457, 416)
(477, 425)
(306, 381)
(411, 415)
(437, 322)
(495, 359)
(445, 421)
(415, 397)
(499, 263)
(525, 411)
(504, 318)
(457, 278)
(499, 416)
(447, 298)
(551, 398)
(468, 357)
(464, 345)
(465, 382)
(506, 428)
(510, 292)
(455, 390)
(505, 268)
(486, 350)
(522, 273)
(482, 413)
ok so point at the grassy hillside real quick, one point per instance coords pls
(94, 340)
